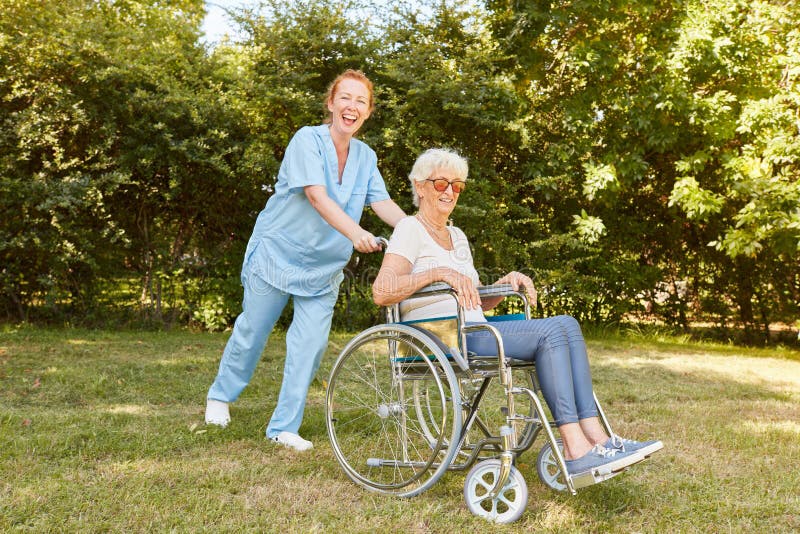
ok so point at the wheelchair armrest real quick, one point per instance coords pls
(433, 289)
(506, 290)
(498, 290)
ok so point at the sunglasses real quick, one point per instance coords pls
(441, 184)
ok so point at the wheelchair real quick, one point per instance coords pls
(407, 401)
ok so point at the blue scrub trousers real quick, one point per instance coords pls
(306, 341)
(557, 347)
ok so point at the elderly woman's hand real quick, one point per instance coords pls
(520, 281)
(466, 292)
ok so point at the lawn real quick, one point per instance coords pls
(103, 431)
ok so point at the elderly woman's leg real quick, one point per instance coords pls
(582, 381)
(584, 398)
(547, 342)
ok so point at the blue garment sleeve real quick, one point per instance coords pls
(376, 189)
(304, 161)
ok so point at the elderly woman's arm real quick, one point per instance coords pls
(396, 282)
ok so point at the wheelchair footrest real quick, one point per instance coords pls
(595, 476)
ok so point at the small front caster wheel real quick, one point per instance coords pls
(509, 503)
(548, 468)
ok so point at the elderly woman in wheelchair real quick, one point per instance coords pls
(407, 399)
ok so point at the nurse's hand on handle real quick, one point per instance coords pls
(365, 242)
(362, 240)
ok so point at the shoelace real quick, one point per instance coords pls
(619, 442)
(602, 451)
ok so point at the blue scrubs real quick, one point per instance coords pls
(295, 253)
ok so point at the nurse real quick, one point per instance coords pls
(302, 240)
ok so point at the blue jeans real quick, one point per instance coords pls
(306, 341)
(557, 347)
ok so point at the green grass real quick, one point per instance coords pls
(103, 431)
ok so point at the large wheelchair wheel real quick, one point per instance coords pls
(374, 428)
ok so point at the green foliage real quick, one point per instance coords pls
(677, 121)
(117, 137)
(636, 158)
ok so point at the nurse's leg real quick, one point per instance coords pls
(306, 341)
(261, 307)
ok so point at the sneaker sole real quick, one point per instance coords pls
(612, 466)
(622, 463)
(290, 446)
(650, 449)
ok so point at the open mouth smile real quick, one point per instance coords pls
(349, 119)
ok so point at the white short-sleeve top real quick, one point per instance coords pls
(411, 240)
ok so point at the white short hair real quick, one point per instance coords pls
(435, 159)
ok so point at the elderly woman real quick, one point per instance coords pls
(424, 249)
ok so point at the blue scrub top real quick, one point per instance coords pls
(292, 247)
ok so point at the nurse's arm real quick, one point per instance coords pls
(363, 241)
(388, 211)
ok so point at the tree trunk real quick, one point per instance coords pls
(744, 298)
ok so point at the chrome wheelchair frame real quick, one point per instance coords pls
(403, 407)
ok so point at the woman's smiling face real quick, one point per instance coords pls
(440, 202)
(349, 106)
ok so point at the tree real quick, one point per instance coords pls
(116, 139)
(634, 157)
(648, 108)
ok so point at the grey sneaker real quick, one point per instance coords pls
(601, 457)
(645, 448)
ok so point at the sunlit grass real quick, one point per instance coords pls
(103, 431)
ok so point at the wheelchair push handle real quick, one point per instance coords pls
(378, 241)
